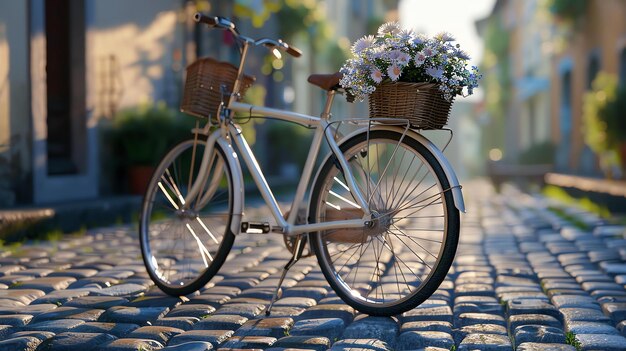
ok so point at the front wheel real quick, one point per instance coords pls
(184, 245)
(402, 258)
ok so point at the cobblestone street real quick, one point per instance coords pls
(523, 279)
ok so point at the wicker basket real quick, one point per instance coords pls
(422, 104)
(202, 95)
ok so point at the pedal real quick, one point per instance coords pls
(255, 227)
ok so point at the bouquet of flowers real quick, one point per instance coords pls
(397, 55)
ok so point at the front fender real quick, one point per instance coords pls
(237, 183)
(455, 187)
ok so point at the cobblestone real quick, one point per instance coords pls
(303, 342)
(521, 275)
(330, 328)
(420, 339)
(75, 341)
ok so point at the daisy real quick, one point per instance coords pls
(419, 39)
(404, 58)
(393, 72)
(434, 72)
(461, 54)
(362, 44)
(444, 36)
(428, 52)
(394, 55)
(392, 28)
(377, 76)
(420, 58)
(405, 35)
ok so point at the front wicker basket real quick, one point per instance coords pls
(422, 104)
(203, 94)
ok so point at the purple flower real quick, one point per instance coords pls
(394, 72)
(420, 58)
(434, 72)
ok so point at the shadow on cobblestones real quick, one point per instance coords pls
(523, 279)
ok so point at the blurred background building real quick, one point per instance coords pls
(70, 68)
(544, 102)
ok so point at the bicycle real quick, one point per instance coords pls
(382, 215)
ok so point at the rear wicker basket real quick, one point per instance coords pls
(422, 104)
(203, 94)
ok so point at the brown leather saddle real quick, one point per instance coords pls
(326, 81)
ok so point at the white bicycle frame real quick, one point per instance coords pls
(229, 132)
(232, 132)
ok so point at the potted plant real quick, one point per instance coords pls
(409, 75)
(140, 136)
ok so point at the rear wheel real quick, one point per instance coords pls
(402, 258)
(184, 247)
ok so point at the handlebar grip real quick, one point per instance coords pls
(293, 51)
(208, 20)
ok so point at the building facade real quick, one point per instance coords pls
(545, 69)
(67, 67)
(596, 43)
(64, 67)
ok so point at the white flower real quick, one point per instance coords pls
(394, 55)
(405, 35)
(461, 54)
(362, 44)
(403, 58)
(387, 55)
(420, 58)
(394, 72)
(434, 72)
(419, 39)
(444, 36)
(377, 76)
(392, 28)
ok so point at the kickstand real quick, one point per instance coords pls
(297, 254)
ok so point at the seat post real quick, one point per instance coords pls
(330, 97)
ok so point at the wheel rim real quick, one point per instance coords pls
(180, 243)
(392, 260)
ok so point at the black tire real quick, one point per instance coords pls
(164, 230)
(385, 232)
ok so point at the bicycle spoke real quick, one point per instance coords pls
(167, 195)
(387, 264)
(207, 230)
(186, 243)
(413, 240)
(389, 245)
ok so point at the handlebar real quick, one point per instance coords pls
(225, 23)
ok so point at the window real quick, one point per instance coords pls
(65, 82)
(592, 69)
(565, 121)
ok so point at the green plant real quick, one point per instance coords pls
(540, 153)
(570, 339)
(141, 135)
(572, 219)
(604, 124)
(561, 195)
(568, 10)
